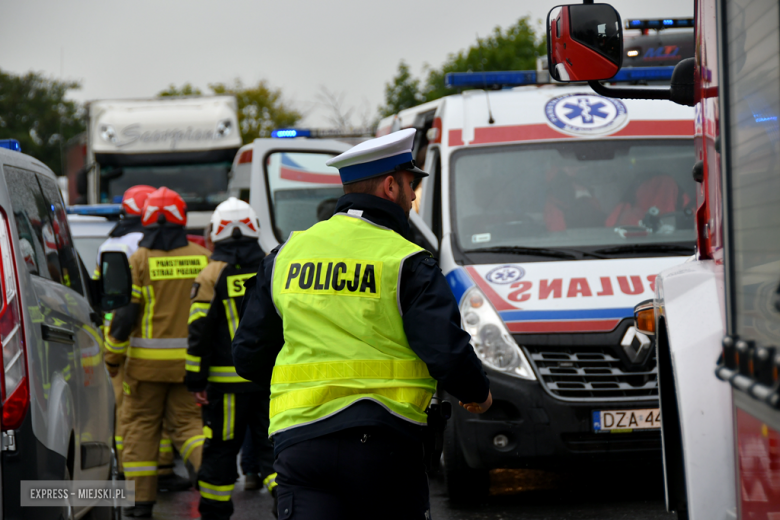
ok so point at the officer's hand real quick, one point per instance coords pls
(200, 397)
(112, 370)
(479, 407)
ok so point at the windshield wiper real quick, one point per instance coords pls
(648, 248)
(533, 251)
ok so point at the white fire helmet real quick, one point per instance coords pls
(234, 214)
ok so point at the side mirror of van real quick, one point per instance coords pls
(584, 42)
(116, 281)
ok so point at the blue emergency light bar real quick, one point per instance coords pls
(512, 78)
(290, 133)
(517, 78)
(11, 144)
(643, 74)
(95, 210)
(661, 23)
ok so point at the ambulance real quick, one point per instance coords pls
(551, 210)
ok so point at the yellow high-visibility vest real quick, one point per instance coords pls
(336, 289)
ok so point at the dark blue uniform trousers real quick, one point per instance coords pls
(360, 473)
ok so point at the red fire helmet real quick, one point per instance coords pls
(167, 203)
(134, 198)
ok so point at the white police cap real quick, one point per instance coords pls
(387, 154)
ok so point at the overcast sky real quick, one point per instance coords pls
(136, 48)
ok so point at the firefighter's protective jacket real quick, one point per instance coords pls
(152, 330)
(216, 299)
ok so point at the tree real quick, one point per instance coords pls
(515, 48)
(260, 108)
(34, 111)
(402, 92)
(341, 116)
(186, 90)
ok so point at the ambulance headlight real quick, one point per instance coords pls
(490, 338)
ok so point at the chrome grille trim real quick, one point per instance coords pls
(592, 374)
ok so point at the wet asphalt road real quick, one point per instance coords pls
(515, 495)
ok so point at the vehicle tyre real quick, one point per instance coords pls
(465, 485)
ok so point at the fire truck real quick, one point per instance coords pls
(720, 312)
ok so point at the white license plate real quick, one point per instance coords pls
(626, 420)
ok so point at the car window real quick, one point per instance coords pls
(31, 218)
(66, 253)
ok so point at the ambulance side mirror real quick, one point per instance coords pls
(584, 42)
(116, 281)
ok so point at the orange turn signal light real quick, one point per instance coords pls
(645, 321)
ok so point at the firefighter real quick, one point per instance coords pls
(152, 333)
(229, 402)
(354, 325)
(125, 237)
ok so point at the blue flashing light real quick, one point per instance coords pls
(97, 210)
(644, 74)
(665, 23)
(514, 78)
(290, 133)
(11, 144)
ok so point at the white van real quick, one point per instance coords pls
(551, 210)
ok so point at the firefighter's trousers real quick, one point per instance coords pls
(225, 420)
(165, 459)
(146, 404)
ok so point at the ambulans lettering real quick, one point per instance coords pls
(235, 284)
(176, 267)
(606, 287)
(334, 276)
(521, 294)
(578, 287)
(546, 287)
(634, 288)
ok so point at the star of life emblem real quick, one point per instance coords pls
(586, 114)
(505, 274)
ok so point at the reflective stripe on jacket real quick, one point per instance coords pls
(162, 281)
(217, 295)
(335, 287)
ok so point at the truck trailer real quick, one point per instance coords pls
(184, 143)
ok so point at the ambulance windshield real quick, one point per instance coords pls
(587, 195)
(303, 190)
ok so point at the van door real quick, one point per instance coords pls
(291, 188)
(50, 339)
(92, 388)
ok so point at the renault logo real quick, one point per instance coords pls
(636, 345)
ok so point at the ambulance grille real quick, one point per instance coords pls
(592, 373)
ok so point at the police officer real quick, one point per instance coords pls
(125, 237)
(152, 332)
(355, 326)
(229, 402)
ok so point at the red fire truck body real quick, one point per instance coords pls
(721, 441)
